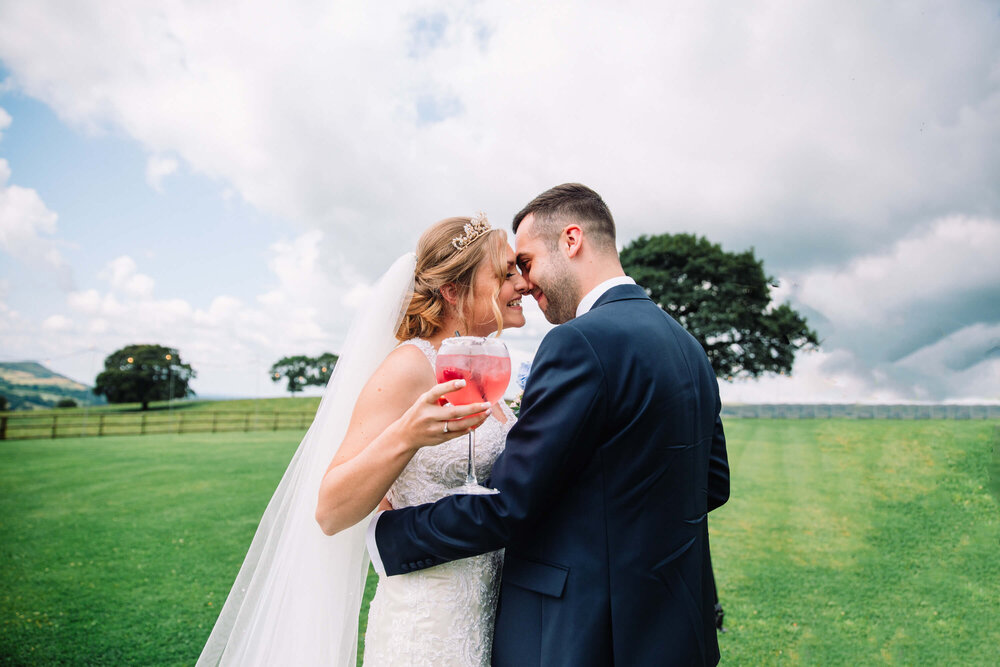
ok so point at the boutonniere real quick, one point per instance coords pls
(515, 405)
(522, 379)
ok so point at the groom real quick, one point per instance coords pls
(607, 478)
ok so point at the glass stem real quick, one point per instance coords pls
(470, 473)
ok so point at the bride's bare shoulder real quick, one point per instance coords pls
(405, 370)
(395, 385)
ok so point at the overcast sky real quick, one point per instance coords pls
(228, 178)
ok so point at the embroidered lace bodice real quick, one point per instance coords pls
(442, 615)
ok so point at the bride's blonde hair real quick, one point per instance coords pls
(439, 263)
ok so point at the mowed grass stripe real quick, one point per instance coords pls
(853, 542)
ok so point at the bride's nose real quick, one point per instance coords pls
(521, 284)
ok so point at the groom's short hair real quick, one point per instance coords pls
(570, 202)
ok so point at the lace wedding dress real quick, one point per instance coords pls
(442, 615)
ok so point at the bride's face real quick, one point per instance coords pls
(509, 298)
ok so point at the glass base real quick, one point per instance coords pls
(472, 490)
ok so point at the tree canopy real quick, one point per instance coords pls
(144, 373)
(723, 299)
(301, 371)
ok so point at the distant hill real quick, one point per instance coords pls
(28, 385)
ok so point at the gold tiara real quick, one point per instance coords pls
(473, 230)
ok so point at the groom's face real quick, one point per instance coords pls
(547, 272)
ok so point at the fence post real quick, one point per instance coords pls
(3, 428)
(180, 424)
(215, 419)
(275, 421)
(246, 422)
(55, 420)
(142, 425)
(100, 426)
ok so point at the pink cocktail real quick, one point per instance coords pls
(486, 377)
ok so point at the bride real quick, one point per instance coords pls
(297, 596)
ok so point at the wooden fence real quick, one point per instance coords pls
(53, 424)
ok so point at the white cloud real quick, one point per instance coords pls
(5, 121)
(124, 277)
(57, 323)
(910, 319)
(819, 377)
(229, 342)
(840, 376)
(966, 363)
(26, 228)
(87, 302)
(157, 169)
(955, 254)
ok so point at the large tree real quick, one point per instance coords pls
(723, 299)
(144, 373)
(301, 371)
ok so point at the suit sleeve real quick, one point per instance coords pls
(718, 463)
(562, 413)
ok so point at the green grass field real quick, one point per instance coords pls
(846, 542)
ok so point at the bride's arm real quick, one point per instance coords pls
(395, 415)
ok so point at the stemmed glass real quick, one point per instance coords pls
(484, 364)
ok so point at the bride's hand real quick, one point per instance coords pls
(427, 422)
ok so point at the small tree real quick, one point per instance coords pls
(144, 373)
(301, 371)
(3, 403)
(66, 403)
(323, 369)
(723, 299)
(295, 370)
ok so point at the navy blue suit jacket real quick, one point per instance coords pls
(605, 487)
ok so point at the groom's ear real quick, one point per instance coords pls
(571, 240)
(450, 293)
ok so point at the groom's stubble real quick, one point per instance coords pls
(561, 291)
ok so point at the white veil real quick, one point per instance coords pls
(297, 596)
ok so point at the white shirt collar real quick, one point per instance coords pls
(593, 295)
